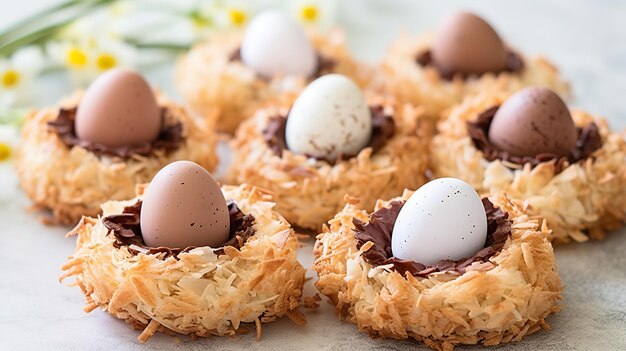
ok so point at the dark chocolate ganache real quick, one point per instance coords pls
(379, 230)
(126, 229)
(324, 64)
(169, 139)
(514, 64)
(589, 140)
(383, 129)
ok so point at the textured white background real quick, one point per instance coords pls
(587, 40)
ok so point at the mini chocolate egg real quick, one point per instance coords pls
(329, 118)
(443, 220)
(184, 206)
(466, 44)
(118, 109)
(533, 121)
(274, 44)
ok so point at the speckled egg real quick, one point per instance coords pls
(274, 44)
(184, 206)
(329, 118)
(443, 220)
(118, 109)
(534, 121)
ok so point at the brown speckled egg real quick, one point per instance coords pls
(184, 206)
(533, 121)
(466, 44)
(118, 109)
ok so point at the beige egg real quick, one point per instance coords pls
(118, 109)
(466, 44)
(184, 206)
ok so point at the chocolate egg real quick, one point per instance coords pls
(275, 44)
(533, 121)
(466, 44)
(118, 109)
(184, 206)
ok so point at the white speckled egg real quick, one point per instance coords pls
(275, 44)
(329, 118)
(443, 220)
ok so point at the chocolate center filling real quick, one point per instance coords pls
(324, 64)
(379, 230)
(169, 139)
(126, 229)
(589, 140)
(383, 129)
(514, 64)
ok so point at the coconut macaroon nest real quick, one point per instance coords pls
(502, 293)
(310, 191)
(407, 73)
(71, 177)
(200, 291)
(217, 85)
(581, 197)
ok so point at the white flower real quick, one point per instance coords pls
(17, 74)
(88, 57)
(9, 141)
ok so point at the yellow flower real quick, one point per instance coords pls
(87, 58)
(314, 13)
(76, 57)
(106, 61)
(5, 151)
(10, 78)
(237, 17)
(309, 13)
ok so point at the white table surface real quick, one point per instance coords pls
(587, 40)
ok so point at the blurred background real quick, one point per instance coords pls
(79, 39)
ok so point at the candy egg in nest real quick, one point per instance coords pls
(274, 44)
(183, 206)
(118, 109)
(330, 118)
(443, 220)
(534, 121)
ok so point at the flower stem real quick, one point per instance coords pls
(37, 17)
(16, 37)
(159, 46)
(31, 38)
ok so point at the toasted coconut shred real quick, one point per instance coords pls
(309, 191)
(199, 292)
(582, 200)
(226, 92)
(72, 181)
(409, 81)
(492, 302)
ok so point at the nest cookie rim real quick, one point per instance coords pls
(585, 200)
(271, 252)
(319, 178)
(400, 69)
(349, 282)
(70, 187)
